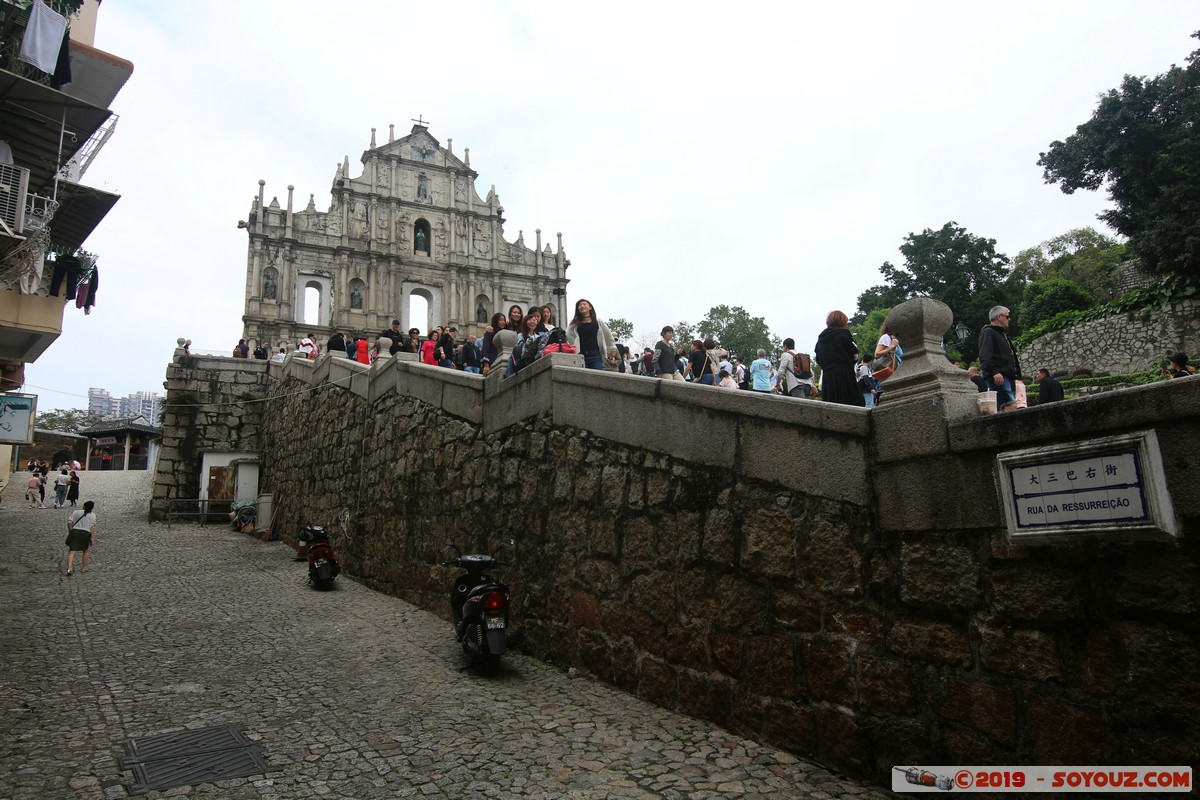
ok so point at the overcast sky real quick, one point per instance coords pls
(767, 155)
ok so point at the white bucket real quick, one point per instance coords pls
(987, 402)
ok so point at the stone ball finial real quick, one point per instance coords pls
(920, 324)
(262, 182)
(180, 341)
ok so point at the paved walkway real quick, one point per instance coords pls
(194, 627)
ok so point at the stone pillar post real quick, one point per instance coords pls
(912, 423)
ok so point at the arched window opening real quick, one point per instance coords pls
(421, 237)
(418, 312)
(312, 304)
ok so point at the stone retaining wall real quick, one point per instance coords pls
(832, 580)
(1118, 345)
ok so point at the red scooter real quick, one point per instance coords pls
(323, 567)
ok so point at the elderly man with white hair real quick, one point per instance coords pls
(998, 359)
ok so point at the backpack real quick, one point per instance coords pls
(802, 366)
(556, 342)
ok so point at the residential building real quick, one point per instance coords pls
(147, 405)
(50, 132)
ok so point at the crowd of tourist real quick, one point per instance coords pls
(846, 374)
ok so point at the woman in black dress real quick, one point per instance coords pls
(837, 354)
(73, 488)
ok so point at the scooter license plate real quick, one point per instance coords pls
(495, 622)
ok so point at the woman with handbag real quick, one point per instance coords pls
(887, 355)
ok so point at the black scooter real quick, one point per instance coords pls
(479, 609)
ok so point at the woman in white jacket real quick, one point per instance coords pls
(588, 333)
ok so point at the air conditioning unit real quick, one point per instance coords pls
(14, 184)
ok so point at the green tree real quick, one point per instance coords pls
(962, 270)
(684, 333)
(1082, 255)
(67, 420)
(1045, 298)
(737, 331)
(622, 329)
(1143, 143)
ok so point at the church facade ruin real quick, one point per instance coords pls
(411, 225)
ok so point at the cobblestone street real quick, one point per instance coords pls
(351, 693)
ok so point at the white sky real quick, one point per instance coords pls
(764, 154)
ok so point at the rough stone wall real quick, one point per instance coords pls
(832, 580)
(861, 636)
(1122, 344)
(213, 404)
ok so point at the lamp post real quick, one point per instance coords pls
(962, 331)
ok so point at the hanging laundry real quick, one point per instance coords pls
(85, 297)
(62, 69)
(43, 37)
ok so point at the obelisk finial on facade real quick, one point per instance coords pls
(372, 138)
(262, 209)
(287, 231)
(391, 132)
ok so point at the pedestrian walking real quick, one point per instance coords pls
(73, 489)
(61, 481)
(81, 534)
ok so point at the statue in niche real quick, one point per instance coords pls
(269, 285)
(423, 190)
(422, 242)
(355, 298)
(358, 221)
(481, 314)
(482, 245)
(460, 235)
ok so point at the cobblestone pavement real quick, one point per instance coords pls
(353, 694)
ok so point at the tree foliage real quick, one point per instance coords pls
(866, 333)
(735, 330)
(1143, 143)
(621, 329)
(960, 269)
(1045, 298)
(67, 420)
(1082, 255)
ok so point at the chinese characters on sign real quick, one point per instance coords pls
(1102, 488)
(1113, 486)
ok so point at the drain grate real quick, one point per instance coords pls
(185, 758)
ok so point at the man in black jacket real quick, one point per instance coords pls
(392, 333)
(1049, 389)
(998, 360)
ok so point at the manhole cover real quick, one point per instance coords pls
(185, 758)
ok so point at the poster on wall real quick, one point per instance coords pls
(16, 418)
